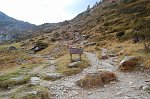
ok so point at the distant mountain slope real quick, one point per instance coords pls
(11, 28)
(109, 17)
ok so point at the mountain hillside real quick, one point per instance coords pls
(109, 17)
(11, 28)
(110, 62)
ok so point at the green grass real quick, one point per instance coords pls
(6, 81)
(24, 93)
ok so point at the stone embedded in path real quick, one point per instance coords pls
(53, 76)
(73, 65)
(18, 78)
(69, 84)
(35, 80)
(128, 63)
(104, 53)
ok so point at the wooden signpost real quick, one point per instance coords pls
(78, 51)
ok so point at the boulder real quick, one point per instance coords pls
(39, 46)
(129, 63)
(53, 76)
(93, 80)
(12, 48)
(107, 77)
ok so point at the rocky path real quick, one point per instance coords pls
(129, 85)
(66, 88)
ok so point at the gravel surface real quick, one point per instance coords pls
(128, 86)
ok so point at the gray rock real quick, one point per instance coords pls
(72, 65)
(53, 76)
(119, 94)
(17, 78)
(35, 80)
(33, 92)
(104, 53)
(89, 93)
(131, 83)
(69, 84)
(127, 97)
(145, 87)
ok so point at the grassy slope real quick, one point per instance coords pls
(125, 15)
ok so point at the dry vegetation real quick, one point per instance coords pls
(63, 62)
(95, 80)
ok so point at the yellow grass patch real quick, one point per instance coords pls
(63, 61)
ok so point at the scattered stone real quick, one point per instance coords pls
(69, 84)
(101, 70)
(53, 61)
(112, 55)
(17, 78)
(53, 76)
(33, 92)
(112, 82)
(145, 87)
(127, 97)
(130, 83)
(104, 53)
(115, 60)
(128, 63)
(119, 94)
(35, 80)
(147, 80)
(89, 93)
(75, 93)
(65, 91)
(52, 58)
(73, 65)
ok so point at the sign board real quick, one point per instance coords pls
(75, 50)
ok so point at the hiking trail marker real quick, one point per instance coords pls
(78, 51)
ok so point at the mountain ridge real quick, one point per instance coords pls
(11, 29)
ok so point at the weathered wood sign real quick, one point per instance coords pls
(75, 51)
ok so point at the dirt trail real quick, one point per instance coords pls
(66, 88)
(129, 85)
